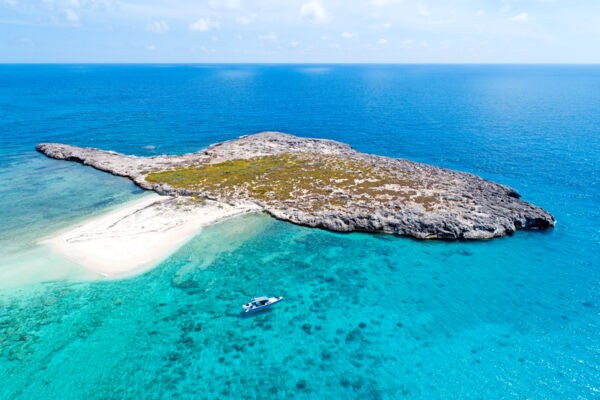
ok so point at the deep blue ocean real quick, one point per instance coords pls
(365, 316)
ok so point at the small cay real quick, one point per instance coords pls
(326, 184)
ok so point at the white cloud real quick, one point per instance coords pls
(204, 24)
(424, 13)
(383, 25)
(269, 36)
(472, 28)
(523, 17)
(349, 35)
(294, 44)
(384, 2)
(407, 43)
(314, 11)
(158, 27)
(245, 19)
(151, 47)
(71, 17)
(25, 41)
(207, 50)
(230, 4)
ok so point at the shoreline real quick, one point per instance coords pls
(326, 184)
(135, 237)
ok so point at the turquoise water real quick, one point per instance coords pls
(365, 316)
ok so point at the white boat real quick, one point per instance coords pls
(259, 303)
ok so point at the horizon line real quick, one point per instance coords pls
(306, 63)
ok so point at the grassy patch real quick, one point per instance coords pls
(316, 179)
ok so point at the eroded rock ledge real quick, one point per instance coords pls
(324, 183)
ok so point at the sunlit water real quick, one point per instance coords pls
(365, 316)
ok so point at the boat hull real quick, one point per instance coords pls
(264, 306)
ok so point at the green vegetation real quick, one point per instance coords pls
(318, 180)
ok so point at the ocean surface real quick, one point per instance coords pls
(365, 316)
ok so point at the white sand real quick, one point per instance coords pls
(137, 236)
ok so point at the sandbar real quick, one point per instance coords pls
(137, 236)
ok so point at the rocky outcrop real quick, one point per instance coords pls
(376, 194)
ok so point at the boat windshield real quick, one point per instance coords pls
(260, 300)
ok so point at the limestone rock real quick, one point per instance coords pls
(440, 204)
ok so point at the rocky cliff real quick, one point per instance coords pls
(327, 184)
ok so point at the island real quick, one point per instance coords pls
(326, 184)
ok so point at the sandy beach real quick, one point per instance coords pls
(138, 235)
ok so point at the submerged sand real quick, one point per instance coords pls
(137, 236)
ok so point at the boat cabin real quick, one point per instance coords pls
(259, 301)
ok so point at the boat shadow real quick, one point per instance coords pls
(252, 314)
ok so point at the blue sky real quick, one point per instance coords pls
(271, 31)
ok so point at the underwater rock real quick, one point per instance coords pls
(353, 336)
(301, 384)
(307, 328)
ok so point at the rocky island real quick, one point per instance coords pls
(326, 184)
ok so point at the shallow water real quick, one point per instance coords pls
(365, 316)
